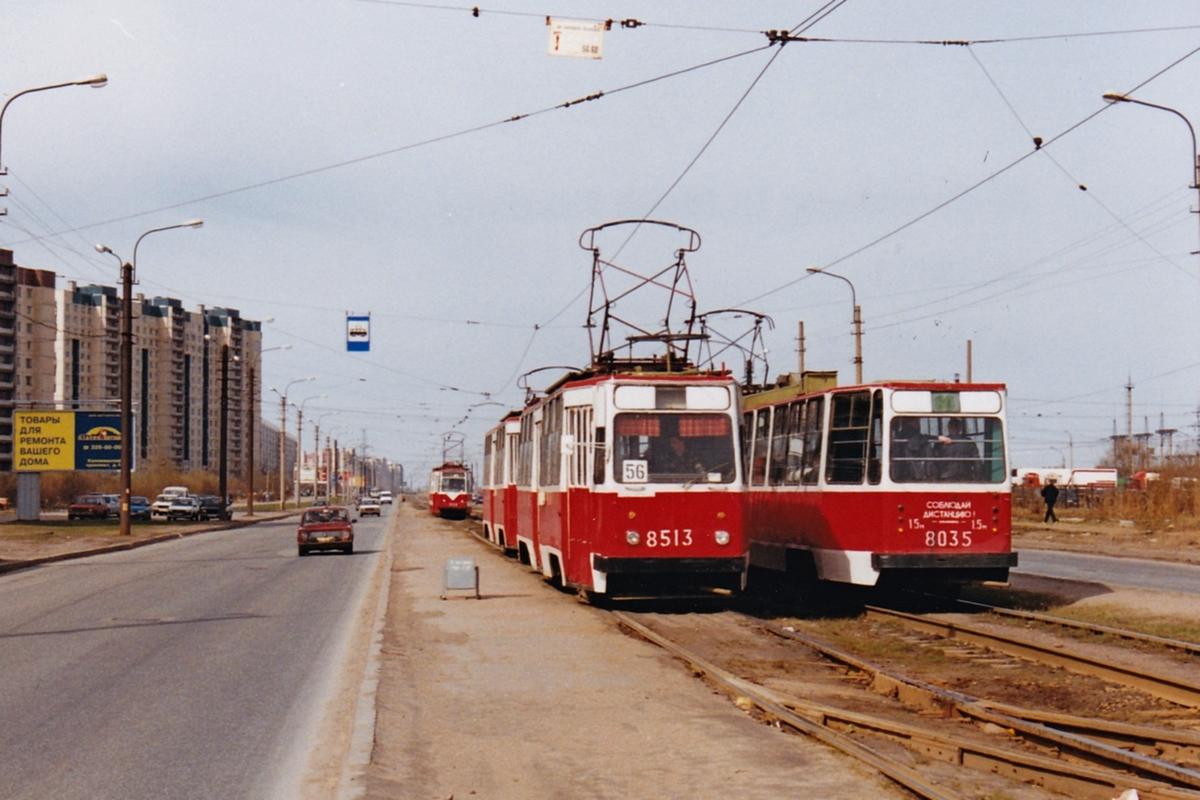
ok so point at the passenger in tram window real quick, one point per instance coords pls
(911, 451)
(675, 460)
(958, 454)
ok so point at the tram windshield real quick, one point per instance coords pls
(454, 483)
(673, 448)
(946, 450)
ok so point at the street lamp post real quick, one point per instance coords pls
(96, 82)
(283, 436)
(300, 444)
(857, 321)
(318, 453)
(250, 444)
(128, 271)
(1114, 97)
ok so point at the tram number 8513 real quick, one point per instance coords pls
(947, 538)
(668, 538)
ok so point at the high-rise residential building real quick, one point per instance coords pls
(8, 347)
(63, 351)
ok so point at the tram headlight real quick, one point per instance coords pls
(633, 538)
(722, 537)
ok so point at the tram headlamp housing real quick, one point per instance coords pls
(722, 538)
(633, 538)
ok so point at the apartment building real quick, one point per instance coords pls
(63, 350)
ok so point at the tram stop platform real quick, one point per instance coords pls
(527, 693)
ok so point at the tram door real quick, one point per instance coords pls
(578, 508)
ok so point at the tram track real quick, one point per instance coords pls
(1163, 686)
(1190, 648)
(1081, 757)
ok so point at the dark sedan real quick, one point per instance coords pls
(139, 508)
(88, 507)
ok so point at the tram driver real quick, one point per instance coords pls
(957, 453)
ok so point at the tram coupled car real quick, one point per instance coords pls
(500, 487)
(450, 488)
(629, 484)
(893, 484)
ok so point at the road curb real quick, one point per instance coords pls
(13, 566)
(362, 738)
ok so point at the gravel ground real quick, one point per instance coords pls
(529, 694)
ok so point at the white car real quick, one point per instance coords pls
(368, 506)
(385, 498)
(161, 505)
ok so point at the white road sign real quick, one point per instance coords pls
(575, 39)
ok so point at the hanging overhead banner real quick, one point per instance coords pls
(62, 441)
(358, 334)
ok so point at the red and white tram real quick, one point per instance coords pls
(893, 483)
(500, 483)
(626, 483)
(450, 488)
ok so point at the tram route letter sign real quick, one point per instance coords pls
(62, 441)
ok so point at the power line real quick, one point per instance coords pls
(954, 198)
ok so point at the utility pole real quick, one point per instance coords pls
(223, 462)
(800, 339)
(969, 361)
(250, 450)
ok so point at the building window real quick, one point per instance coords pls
(29, 380)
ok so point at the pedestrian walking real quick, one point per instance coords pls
(1050, 495)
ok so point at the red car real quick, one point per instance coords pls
(88, 507)
(325, 528)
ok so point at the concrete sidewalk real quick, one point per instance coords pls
(529, 694)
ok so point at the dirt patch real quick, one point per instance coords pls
(1110, 537)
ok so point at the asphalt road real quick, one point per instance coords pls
(1134, 573)
(190, 669)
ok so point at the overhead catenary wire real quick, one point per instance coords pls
(969, 189)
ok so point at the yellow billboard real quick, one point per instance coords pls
(51, 441)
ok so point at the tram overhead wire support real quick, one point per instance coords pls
(752, 353)
(612, 283)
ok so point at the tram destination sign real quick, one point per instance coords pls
(62, 441)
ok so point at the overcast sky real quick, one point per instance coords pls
(354, 156)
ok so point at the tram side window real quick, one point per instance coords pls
(780, 433)
(814, 428)
(848, 430)
(525, 453)
(875, 447)
(487, 461)
(762, 437)
(747, 442)
(946, 450)
(601, 449)
(795, 443)
(550, 445)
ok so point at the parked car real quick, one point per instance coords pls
(368, 506)
(385, 498)
(92, 506)
(161, 505)
(210, 506)
(175, 491)
(325, 528)
(184, 508)
(139, 508)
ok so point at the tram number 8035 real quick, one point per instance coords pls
(947, 538)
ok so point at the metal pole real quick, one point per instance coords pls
(299, 453)
(968, 361)
(282, 448)
(223, 469)
(250, 452)
(126, 393)
(857, 342)
(801, 340)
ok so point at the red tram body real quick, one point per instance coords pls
(892, 483)
(450, 490)
(622, 484)
(500, 483)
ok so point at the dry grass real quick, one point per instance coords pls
(59, 489)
